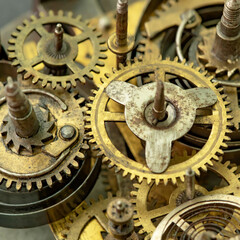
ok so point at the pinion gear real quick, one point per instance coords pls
(28, 66)
(102, 111)
(42, 167)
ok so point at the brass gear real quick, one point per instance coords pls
(26, 66)
(146, 212)
(99, 115)
(42, 165)
(211, 63)
(84, 222)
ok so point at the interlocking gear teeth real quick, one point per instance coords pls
(72, 226)
(114, 158)
(59, 172)
(26, 66)
(144, 217)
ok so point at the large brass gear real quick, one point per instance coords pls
(60, 107)
(26, 66)
(85, 222)
(102, 110)
(217, 216)
(152, 202)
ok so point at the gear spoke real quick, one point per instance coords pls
(41, 31)
(205, 120)
(73, 66)
(114, 117)
(34, 61)
(81, 37)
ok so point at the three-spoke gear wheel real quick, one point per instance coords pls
(27, 66)
(103, 110)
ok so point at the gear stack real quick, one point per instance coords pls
(150, 121)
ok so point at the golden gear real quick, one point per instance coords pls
(84, 222)
(55, 158)
(173, 18)
(28, 66)
(102, 111)
(153, 202)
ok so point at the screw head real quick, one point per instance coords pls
(67, 132)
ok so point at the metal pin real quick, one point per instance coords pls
(20, 110)
(58, 37)
(190, 184)
(227, 40)
(159, 106)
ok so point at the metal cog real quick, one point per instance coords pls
(210, 62)
(148, 215)
(100, 113)
(54, 168)
(86, 221)
(26, 66)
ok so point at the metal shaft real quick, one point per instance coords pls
(122, 22)
(121, 29)
(226, 45)
(159, 106)
(20, 110)
(190, 184)
(58, 37)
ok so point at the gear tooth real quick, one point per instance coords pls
(67, 171)
(176, 59)
(227, 163)
(33, 18)
(133, 193)
(125, 173)
(18, 185)
(157, 181)
(81, 100)
(96, 70)
(14, 34)
(182, 178)
(11, 49)
(204, 168)
(25, 22)
(73, 82)
(8, 183)
(233, 169)
(79, 17)
(75, 164)
(224, 145)
(39, 185)
(60, 13)
(54, 85)
(82, 80)
(220, 151)
(63, 83)
(210, 163)
(100, 153)
(27, 75)
(29, 185)
(165, 181)
(100, 63)
(215, 157)
(92, 141)
(109, 195)
(103, 49)
(230, 73)
(44, 82)
(59, 177)
(89, 75)
(20, 28)
(80, 155)
(141, 231)
(49, 181)
(35, 80)
(197, 172)
(70, 14)
(140, 179)
(12, 41)
(226, 138)
(102, 56)
(100, 197)
(174, 180)
(42, 14)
